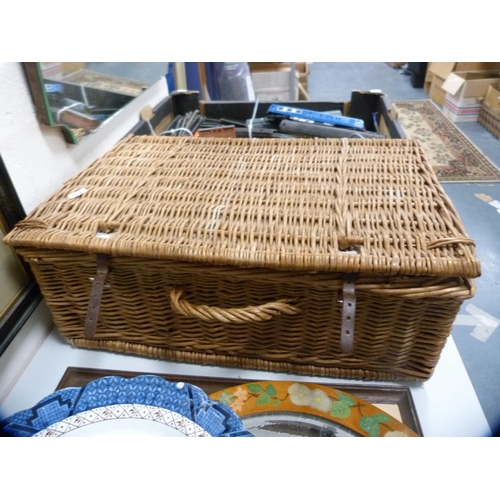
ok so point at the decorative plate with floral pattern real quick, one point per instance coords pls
(296, 409)
(143, 405)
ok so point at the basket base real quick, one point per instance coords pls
(233, 361)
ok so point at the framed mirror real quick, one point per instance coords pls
(79, 97)
(19, 291)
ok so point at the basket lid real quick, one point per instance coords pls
(303, 204)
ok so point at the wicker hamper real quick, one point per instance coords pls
(340, 258)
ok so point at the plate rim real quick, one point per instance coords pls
(188, 400)
(51, 430)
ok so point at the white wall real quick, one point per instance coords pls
(38, 161)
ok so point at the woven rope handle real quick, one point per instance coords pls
(248, 314)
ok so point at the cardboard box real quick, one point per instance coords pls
(428, 80)
(443, 69)
(463, 84)
(438, 72)
(476, 66)
(51, 69)
(275, 85)
(461, 111)
(436, 93)
(70, 67)
(301, 68)
(464, 93)
(489, 116)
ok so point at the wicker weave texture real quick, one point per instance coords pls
(371, 206)
(402, 323)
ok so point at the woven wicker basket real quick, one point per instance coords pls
(321, 257)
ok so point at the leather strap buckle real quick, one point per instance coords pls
(96, 295)
(348, 314)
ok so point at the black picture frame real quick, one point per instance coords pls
(11, 212)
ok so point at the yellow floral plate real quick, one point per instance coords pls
(285, 409)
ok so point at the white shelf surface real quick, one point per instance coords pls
(446, 404)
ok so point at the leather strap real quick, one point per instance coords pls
(348, 314)
(96, 295)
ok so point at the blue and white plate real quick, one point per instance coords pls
(111, 406)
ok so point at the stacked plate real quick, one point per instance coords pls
(112, 406)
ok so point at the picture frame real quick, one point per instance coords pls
(373, 394)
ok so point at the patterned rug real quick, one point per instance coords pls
(453, 156)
